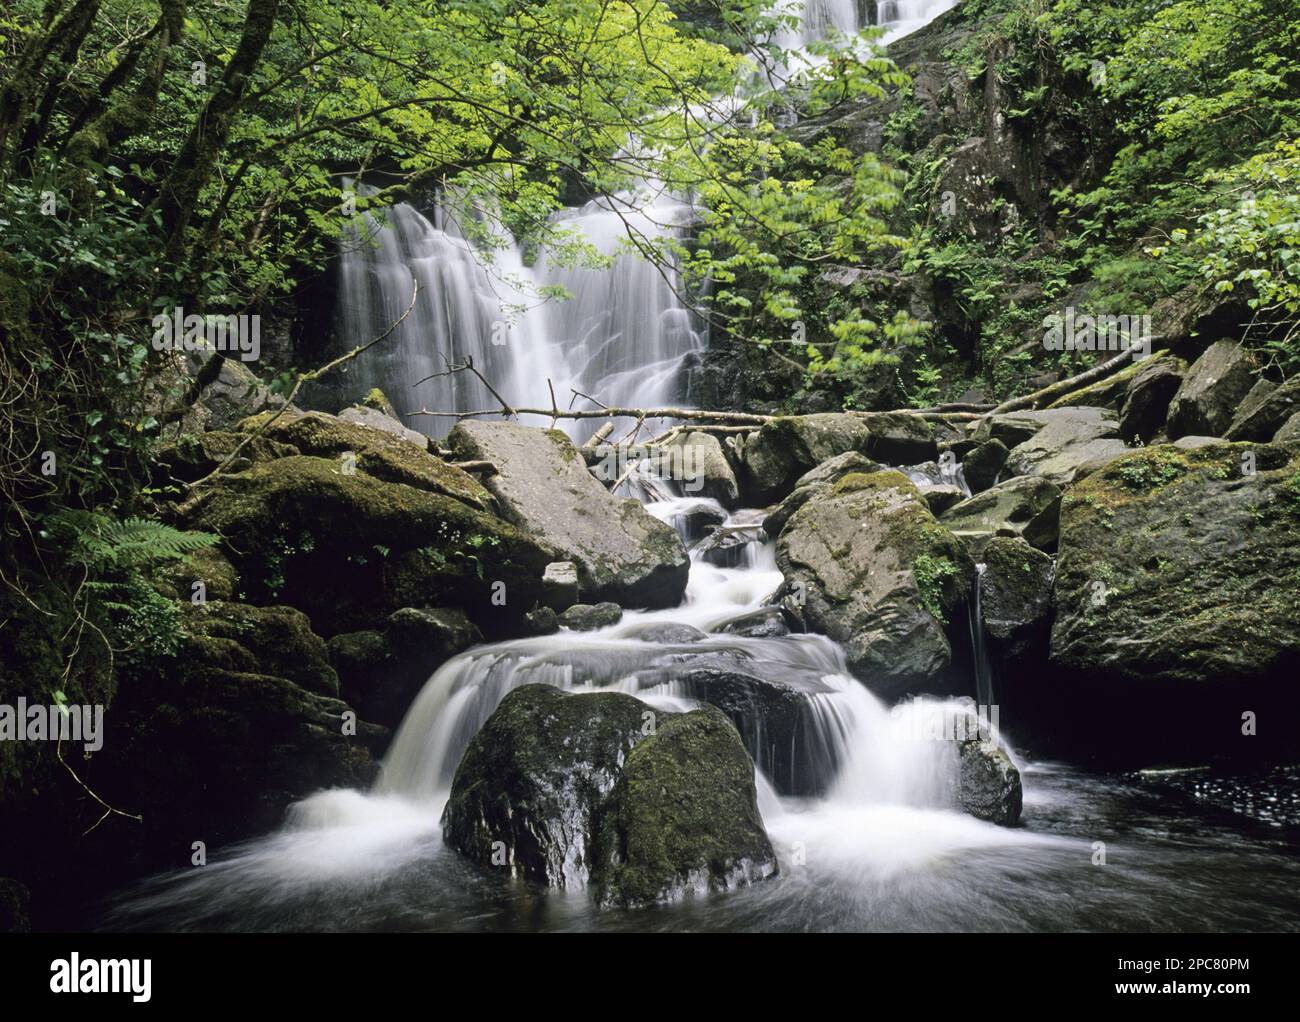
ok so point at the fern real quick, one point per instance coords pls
(101, 543)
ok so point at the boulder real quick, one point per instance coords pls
(900, 438)
(228, 389)
(1265, 411)
(526, 793)
(1146, 400)
(378, 452)
(729, 545)
(983, 464)
(542, 486)
(207, 565)
(560, 581)
(385, 421)
(1289, 433)
(878, 574)
(1016, 595)
(764, 623)
(349, 550)
(194, 455)
(1212, 391)
(683, 816)
(1025, 506)
(816, 482)
(1175, 597)
(265, 640)
(584, 617)
(941, 497)
(989, 785)
(774, 457)
(1075, 441)
(693, 521)
(711, 472)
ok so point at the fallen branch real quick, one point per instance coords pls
(691, 414)
(473, 466)
(1063, 387)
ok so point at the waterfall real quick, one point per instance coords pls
(983, 666)
(625, 337)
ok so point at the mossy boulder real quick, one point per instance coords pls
(542, 486)
(207, 565)
(876, 572)
(814, 483)
(1016, 595)
(279, 639)
(1175, 593)
(983, 463)
(1147, 397)
(375, 451)
(527, 790)
(683, 817)
(349, 549)
(194, 455)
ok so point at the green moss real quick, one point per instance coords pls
(931, 573)
(888, 479)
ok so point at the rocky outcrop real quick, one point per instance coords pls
(552, 789)
(349, 549)
(816, 482)
(876, 572)
(1175, 595)
(1212, 391)
(542, 485)
(1265, 411)
(711, 473)
(683, 817)
(1024, 506)
(773, 458)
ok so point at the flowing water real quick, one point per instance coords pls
(857, 798)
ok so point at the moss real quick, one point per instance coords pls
(930, 574)
(887, 479)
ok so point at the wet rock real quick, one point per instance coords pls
(1212, 391)
(816, 482)
(1024, 506)
(784, 449)
(696, 520)
(989, 787)
(267, 640)
(1265, 411)
(711, 472)
(542, 621)
(879, 575)
(560, 582)
(683, 817)
(669, 633)
(765, 623)
(583, 617)
(1016, 595)
(1076, 441)
(982, 465)
(730, 545)
(543, 486)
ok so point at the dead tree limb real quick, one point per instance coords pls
(1063, 387)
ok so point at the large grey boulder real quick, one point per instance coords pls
(876, 572)
(706, 464)
(774, 457)
(989, 785)
(1212, 391)
(1024, 506)
(1176, 588)
(363, 415)
(1265, 411)
(983, 463)
(1074, 441)
(229, 390)
(1289, 431)
(542, 485)
(1146, 401)
(1016, 594)
(901, 438)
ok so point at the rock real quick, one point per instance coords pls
(1191, 443)
(378, 452)
(583, 617)
(1175, 596)
(784, 449)
(207, 565)
(900, 438)
(683, 817)
(730, 545)
(1146, 401)
(194, 455)
(982, 465)
(1212, 391)
(277, 640)
(777, 721)
(229, 389)
(1289, 433)
(349, 550)
(387, 422)
(1024, 506)
(534, 777)
(696, 520)
(941, 497)
(381, 673)
(1107, 392)
(542, 621)
(816, 482)
(670, 633)
(543, 486)
(765, 623)
(879, 575)
(1016, 595)
(15, 907)
(560, 582)
(378, 400)
(711, 472)
(1265, 411)
(1080, 439)
(1014, 428)
(989, 786)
